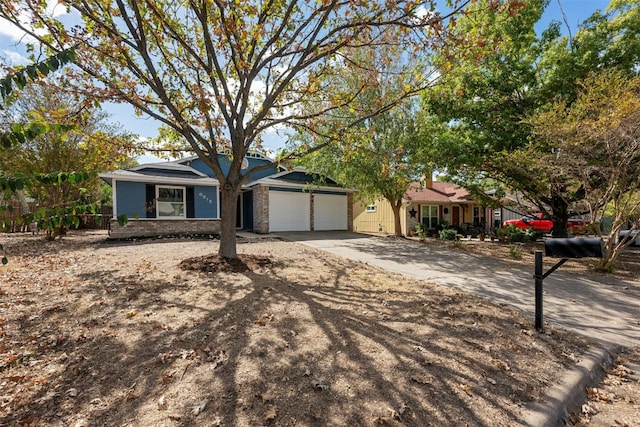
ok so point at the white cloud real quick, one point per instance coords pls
(422, 13)
(14, 58)
(54, 10)
(12, 32)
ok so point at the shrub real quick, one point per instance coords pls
(533, 234)
(448, 234)
(513, 233)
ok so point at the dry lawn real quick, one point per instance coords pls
(96, 333)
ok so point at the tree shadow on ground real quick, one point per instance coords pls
(298, 341)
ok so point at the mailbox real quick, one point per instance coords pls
(575, 247)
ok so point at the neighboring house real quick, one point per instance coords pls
(183, 197)
(432, 203)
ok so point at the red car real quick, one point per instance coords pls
(535, 221)
(538, 222)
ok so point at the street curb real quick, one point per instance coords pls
(568, 396)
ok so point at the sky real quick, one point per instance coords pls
(575, 12)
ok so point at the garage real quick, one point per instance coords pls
(289, 211)
(330, 211)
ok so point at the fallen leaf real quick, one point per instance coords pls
(130, 314)
(162, 403)
(198, 409)
(270, 415)
(501, 364)
(264, 319)
(267, 397)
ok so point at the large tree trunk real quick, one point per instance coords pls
(229, 195)
(560, 212)
(397, 225)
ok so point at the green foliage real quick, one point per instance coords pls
(512, 233)
(21, 133)
(55, 221)
(502, 74)
(19, 181)
(533, 234)
(378, 156)
(448, 234)
(421, 231)
(599, 147)
(33, 72)
(122, 220)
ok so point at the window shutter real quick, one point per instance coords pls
(150, 204)
(191, 206)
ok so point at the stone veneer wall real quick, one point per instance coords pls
(261, 209)
(350, 211)
(159, 227)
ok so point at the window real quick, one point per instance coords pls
(371, 208)
(430, 216)
(170, 202)
(478, 217)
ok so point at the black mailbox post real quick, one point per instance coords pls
(565, 248)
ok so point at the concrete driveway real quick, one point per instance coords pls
(603, 308)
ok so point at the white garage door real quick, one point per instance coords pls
(289, 211)
(329, 212)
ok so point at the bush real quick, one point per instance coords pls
(533, 234)
(448, 234)
(512, 233)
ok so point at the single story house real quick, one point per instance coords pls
(183, 197)
(432, 203)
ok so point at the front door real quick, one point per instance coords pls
(239, 212)
(455, 216)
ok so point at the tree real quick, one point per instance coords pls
(505, 74)
(218, 74)
(88, 143)
(600, 150)
(377, 158)
(378, 155)
(487, 88)
(19, 133)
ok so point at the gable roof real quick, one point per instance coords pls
(438, 192)
(165, 172)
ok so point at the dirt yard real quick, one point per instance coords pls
(96, 333)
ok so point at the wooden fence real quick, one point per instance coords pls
(16, 223)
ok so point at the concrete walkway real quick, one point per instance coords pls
(606, 309)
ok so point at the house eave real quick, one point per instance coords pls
(205, 182)
(298, 186)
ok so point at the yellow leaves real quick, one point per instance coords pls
(131, 314)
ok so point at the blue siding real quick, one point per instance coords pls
(206, 202)
(198, 165)
(131, 198)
